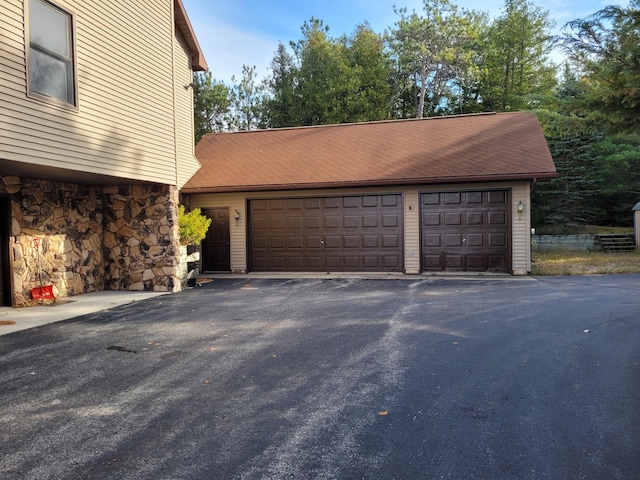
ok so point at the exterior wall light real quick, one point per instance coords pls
(236, 215)
(520, 208)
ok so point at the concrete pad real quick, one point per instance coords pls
(65, 308)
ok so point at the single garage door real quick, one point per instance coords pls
(465, 231)
(326, 234)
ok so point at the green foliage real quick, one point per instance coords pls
(606, 46)
(211, 102)
(513, 67)
(329, 80)
(430, 54)
(246, 101)
(193, 226)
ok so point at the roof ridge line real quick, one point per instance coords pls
(374, 122)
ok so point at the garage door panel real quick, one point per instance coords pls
(475, 218)
(295, 243)
(351, 241)
(369, 221)
(312, 222)
(497, 240)
(453, 262)
(314, 242)
(349, 233)
(276, 223)
(475, 240)
(474, 197)
(465, 231)
(259, 223)
(331, 241)
(351, 221)
(294, 204)
(352, 263)
(497, 218)
(370, 201)
(431, 219)
(332, 221)
(294, 223)
(278, 243)
(370, 241)
(453, 219)
(390, 221)
(331, 202)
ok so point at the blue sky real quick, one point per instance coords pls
(236, 32)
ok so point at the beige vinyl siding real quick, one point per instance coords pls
(185, 151)
(412, 231)
(521, 253)
(125, 121)
(521, 229)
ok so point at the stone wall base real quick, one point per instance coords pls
(79, 239)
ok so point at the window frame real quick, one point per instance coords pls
(31, 92)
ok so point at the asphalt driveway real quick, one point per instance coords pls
(510, 378)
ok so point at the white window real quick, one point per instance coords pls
(51, 56)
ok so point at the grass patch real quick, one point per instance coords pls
(584, 263)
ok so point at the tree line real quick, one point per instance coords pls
(446, 60)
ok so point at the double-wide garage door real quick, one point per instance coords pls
(327, 234)
(460, 231)
(465, 231)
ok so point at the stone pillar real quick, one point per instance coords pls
(141, 239)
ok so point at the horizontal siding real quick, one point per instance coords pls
(521, 228)
(124, 125)
(412, 230)
(411, 196)
(187, 163)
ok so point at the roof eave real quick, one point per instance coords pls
(370, 183)
(198, 62)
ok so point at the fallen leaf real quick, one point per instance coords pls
(212, 348)
(149, 343)
(207, 382)
(7, 322)
(383, 413)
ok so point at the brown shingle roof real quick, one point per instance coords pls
(462, 148)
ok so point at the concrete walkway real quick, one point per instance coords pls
(65, 308)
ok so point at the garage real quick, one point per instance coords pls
(360, 233)
(431, 195)
(465, 231)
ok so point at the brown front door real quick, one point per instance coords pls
(216, 253)
(327, 234)
(465, 231)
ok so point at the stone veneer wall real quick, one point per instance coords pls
(67, 221)
(141, 238)
(91, 238)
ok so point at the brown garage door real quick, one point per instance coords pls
(329, 234)
(465, 231)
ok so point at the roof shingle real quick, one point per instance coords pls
(463, 148)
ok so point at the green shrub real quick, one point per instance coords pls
(193, 226)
